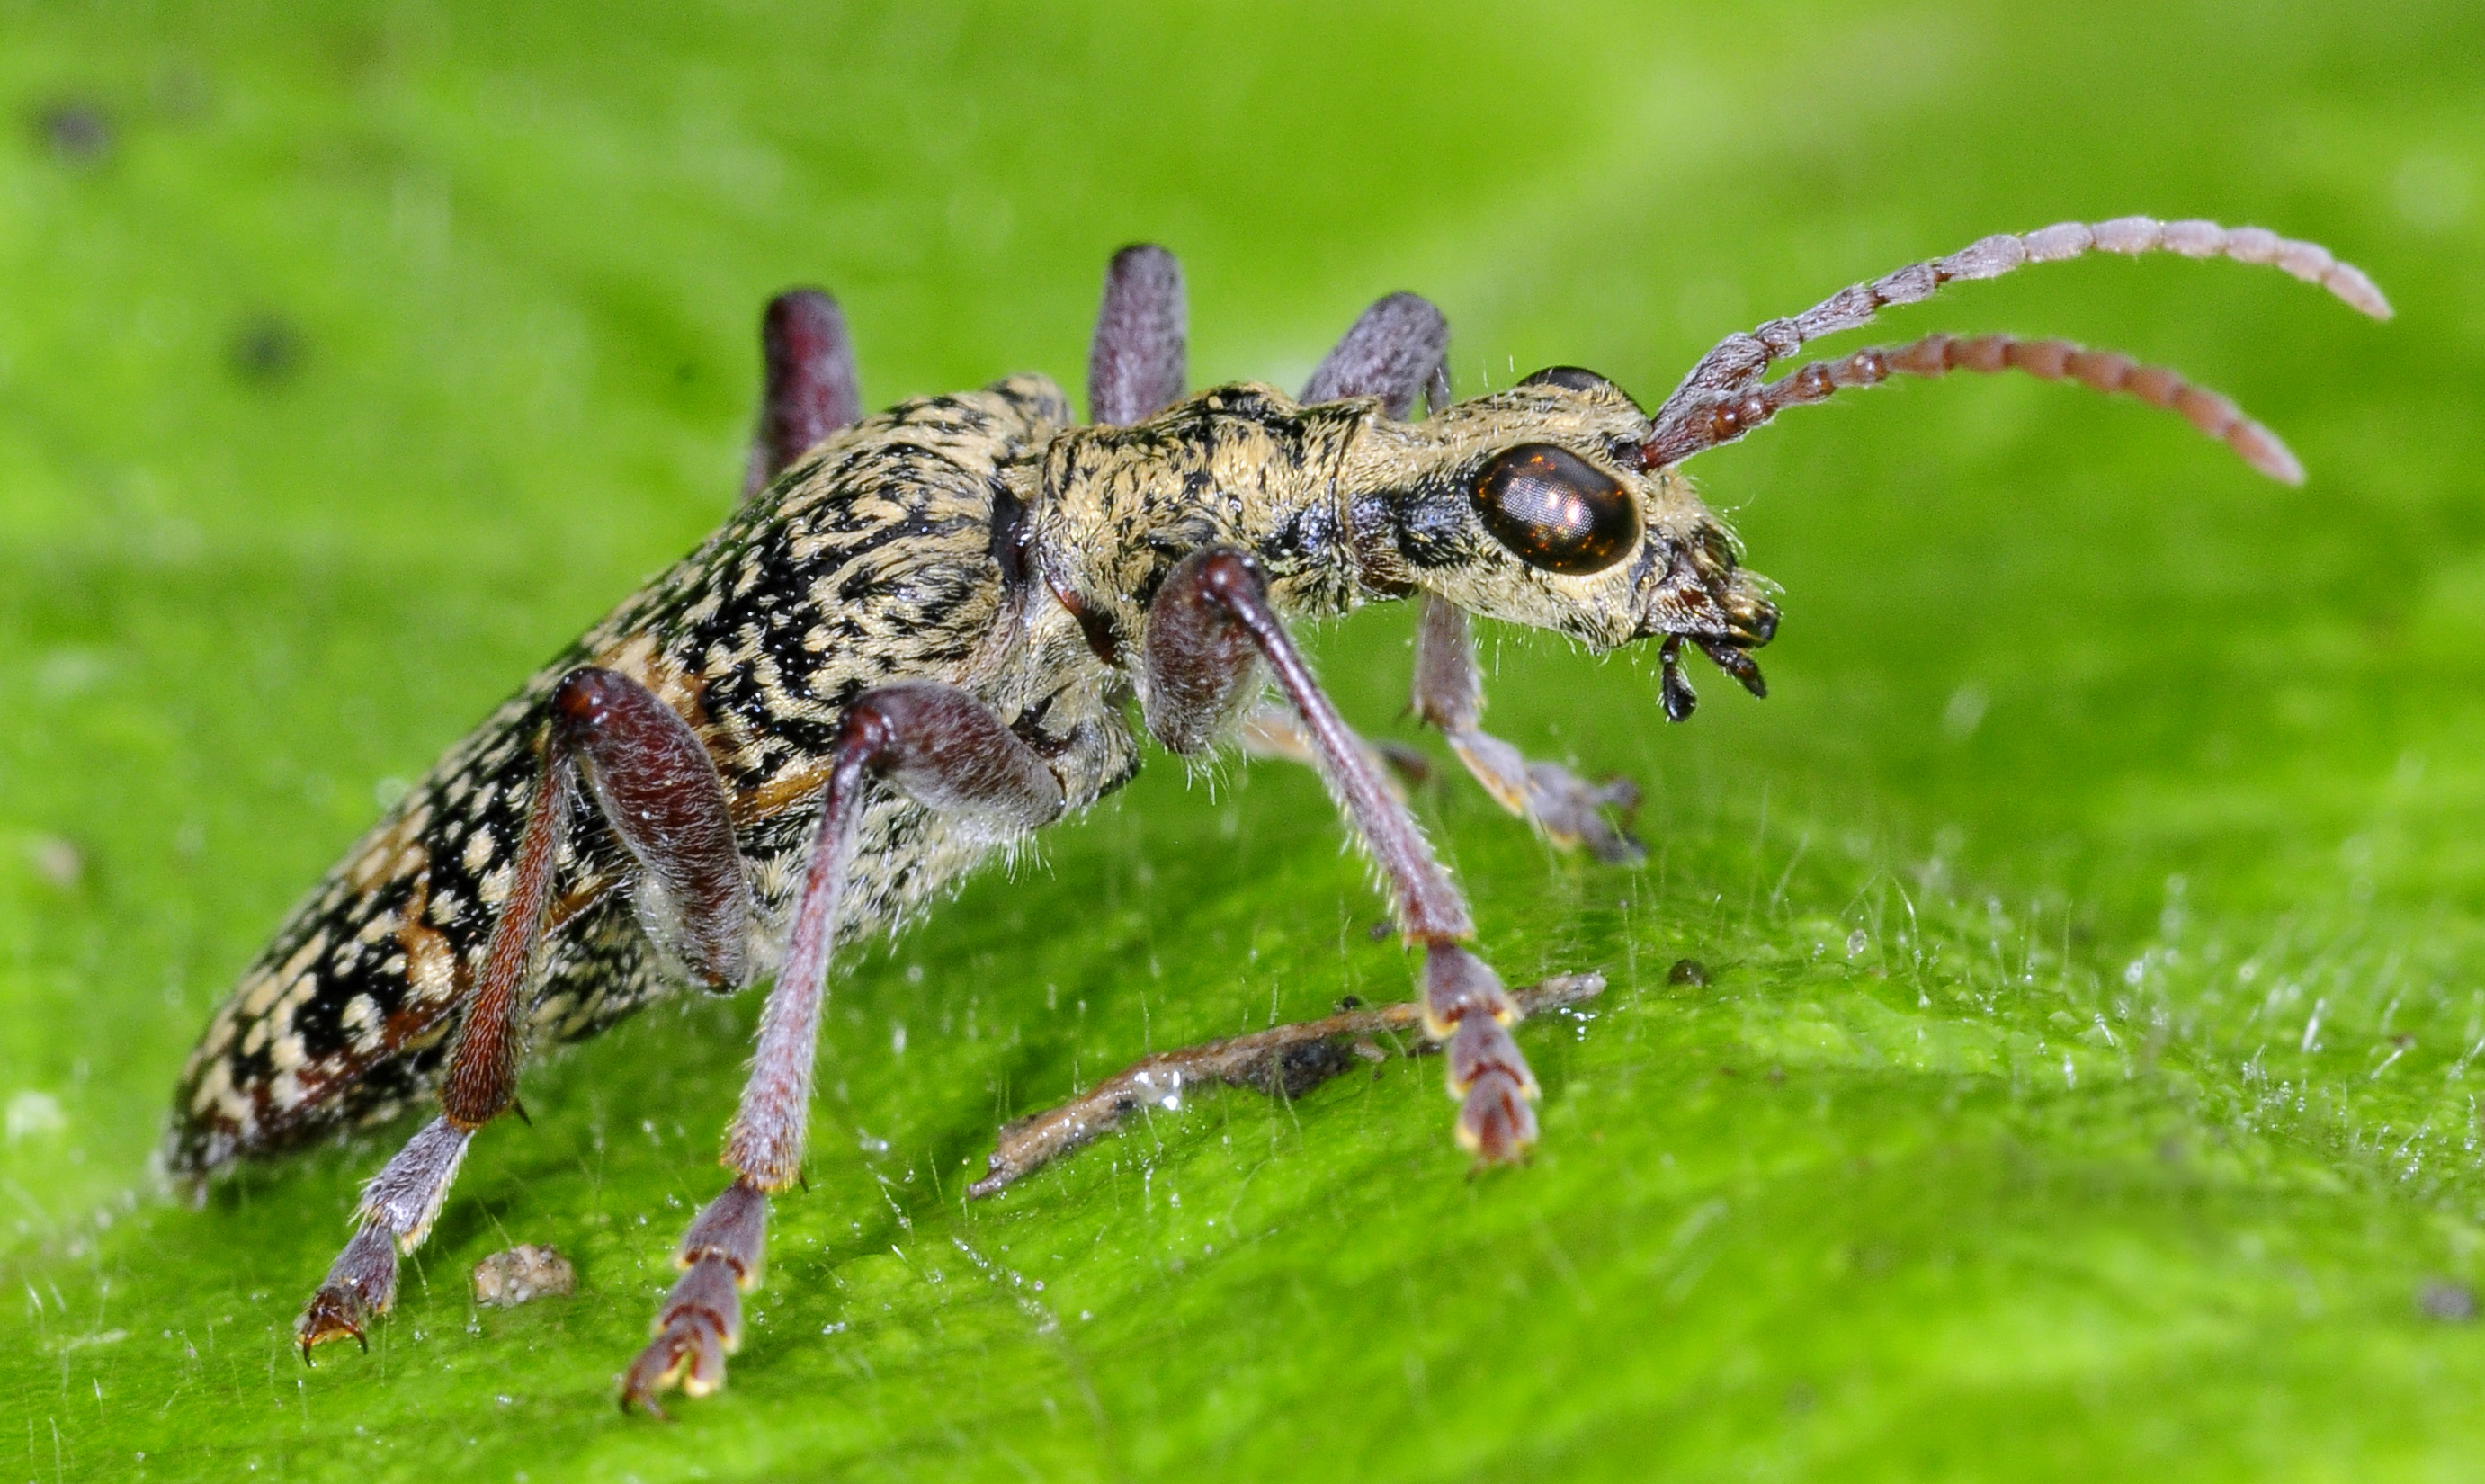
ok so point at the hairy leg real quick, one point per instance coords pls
(941, 747)
(1449, 694)
(1396, 350)
(1208, 627)
(1138, 363)
(810, 389)
(664, 799)
(1273, 731)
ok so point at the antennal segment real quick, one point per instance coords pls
(1732, 368)
(1729, 417)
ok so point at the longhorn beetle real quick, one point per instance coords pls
(920, 637)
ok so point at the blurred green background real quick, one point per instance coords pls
(2094, 915)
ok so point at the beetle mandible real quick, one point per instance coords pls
(920, 637)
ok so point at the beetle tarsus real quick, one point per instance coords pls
(361, 1283)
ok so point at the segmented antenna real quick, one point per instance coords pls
(1728, 378)
(1935, 355)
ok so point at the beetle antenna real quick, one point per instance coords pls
(2048, 360)
(1731, 371)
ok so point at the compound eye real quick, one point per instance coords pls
(1570, 378)
(1555, 510)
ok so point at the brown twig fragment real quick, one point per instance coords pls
(1289, 1060)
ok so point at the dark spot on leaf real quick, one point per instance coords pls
(79, 131)
(2447, 1300)
(1688, 970)
(266, 349)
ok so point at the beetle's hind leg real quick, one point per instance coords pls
(663, 798)
(942, 747)
(396, 1212)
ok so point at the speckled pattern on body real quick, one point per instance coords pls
(979, 538)
(872, 559)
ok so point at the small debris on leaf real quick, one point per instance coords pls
(521, 1275)
(1287, 1059)
(1688, 970)
(2447, 1300)
(56, 860)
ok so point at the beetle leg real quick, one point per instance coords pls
(395, 1213)
(1138, 363)
(663, 798)
(1449, 694)
(398, 1204)
(942, 747)
(1396, 350)
(810, 390)
(1273, 731)
(658, 789)
(1207, 626)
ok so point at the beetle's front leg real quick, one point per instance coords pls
(942, 747)
(1449, 694)
(1208, 627)
(1396, 351)
(662, 796)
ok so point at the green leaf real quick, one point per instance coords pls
(2081, 1086)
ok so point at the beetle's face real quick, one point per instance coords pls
(1530, 505)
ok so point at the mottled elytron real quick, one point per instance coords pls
(923, 635)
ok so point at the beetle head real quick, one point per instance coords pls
(1532, 505)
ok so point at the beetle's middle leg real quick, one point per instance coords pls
(942, 747)
(662, 796)
(1208, 629)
